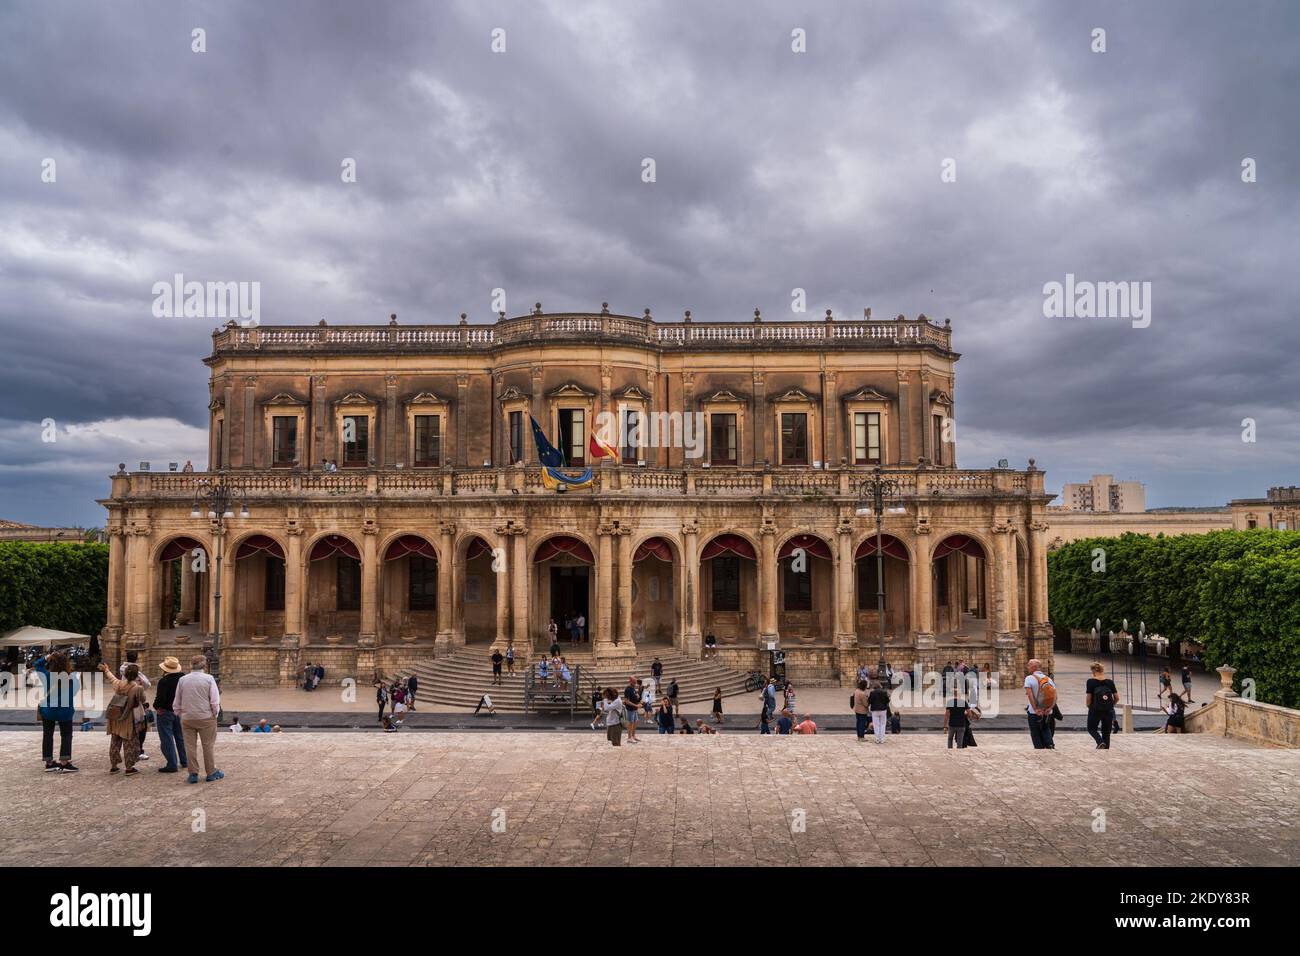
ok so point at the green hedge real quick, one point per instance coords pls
(59, 585)
(1236, 592)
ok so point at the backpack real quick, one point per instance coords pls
(895, 723)
(1103, 699)
(1046, 693)
(853, 701)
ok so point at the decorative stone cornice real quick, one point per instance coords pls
(570, 390)
(425, 398)
(354, 398)
(284, 398)
(866, 394)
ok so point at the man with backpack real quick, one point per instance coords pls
(1101, 695)
(1040, 690)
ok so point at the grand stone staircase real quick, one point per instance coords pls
(462, 677)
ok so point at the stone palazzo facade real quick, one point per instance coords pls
(431, 529)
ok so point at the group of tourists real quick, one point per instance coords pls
(398, 697)
(184, 712)
(575, 628)
(312, 675)
(653, 699)
(789, 721)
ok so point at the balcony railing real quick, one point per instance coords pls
(604, 327)
(747, 483)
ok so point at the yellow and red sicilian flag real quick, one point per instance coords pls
(600, 448)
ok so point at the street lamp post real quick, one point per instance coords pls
(879, 489)
(217, 502)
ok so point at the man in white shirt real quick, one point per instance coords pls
(197, 704)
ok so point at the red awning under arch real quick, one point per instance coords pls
(809, 543)
(257, 544)
(728, 544)
(564, 544)
(892, 547)
(331, 545)
(410, 544)
(476, 547)
(959, 542)
(178, 547)
(654, 548)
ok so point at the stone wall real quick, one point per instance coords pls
(1251, 720)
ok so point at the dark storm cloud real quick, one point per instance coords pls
(775, 171)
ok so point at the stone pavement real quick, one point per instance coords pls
(731, 799)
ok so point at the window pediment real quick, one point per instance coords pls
(358, 399)
(512, 394)
(425, 398)
(284, 398)
(571, 390)
(216, 405)
(632, 393)
(723, 396)
(940, 397)
(867, 394)
(795, 396)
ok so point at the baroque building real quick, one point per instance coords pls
(387, 503)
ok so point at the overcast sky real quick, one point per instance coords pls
(775, 170)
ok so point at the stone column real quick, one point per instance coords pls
(116, 579)
(999, 611)
(462, 420)
(762, 450)
(138, 588)
(830, 422)
(922, 585)
(905, 455)
(692, 640)
(521, 572)
(185, 609)
(248, 451)
(624, 632)
(767, 585)
(846, 637)
(927, 428)
(501, 572)
(606, 650)
(295, 635)
(370, 570)
(392, 452)
(1038, 607)
(446, 635)
(535, 409)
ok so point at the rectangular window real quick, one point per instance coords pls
(356, 440)
(938, 438)
(428, 441)
(284, 441)
(516, 437)
(573, 435)
(794, 438)
(274, 593)
(347, 579)
(722, 439)
(866, 438)
(725, 572)
(797, 586)
(423, 587)
(867, 585)
(631, 433)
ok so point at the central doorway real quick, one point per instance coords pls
(569, 599)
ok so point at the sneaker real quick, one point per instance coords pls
(68, 768)
(51, 767)
(167, 770)
(114, 769)
(193, 778)
(215, 775)
(132, 772)
(142, 756)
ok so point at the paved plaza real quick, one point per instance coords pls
(732, 799)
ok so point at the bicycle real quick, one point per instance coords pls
(755, 681)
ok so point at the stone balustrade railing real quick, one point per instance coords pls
(632, 481)
(647, 331)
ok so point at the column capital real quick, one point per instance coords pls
(506, 530)
(447, 527)
(1038, 525)
(293, 528)
(690, 529)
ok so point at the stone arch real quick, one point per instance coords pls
(704, 537)
(908, 543)
(547, 536)
(202, 538)
(434, 541)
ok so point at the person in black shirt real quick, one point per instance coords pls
(168, 723)
(878, 707)
(955, 721)
(496, 666)
(1101, 696)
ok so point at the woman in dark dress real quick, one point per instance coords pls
(717, 706)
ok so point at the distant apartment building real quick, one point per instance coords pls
(1104, 493)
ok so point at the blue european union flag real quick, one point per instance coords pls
(547, 453)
